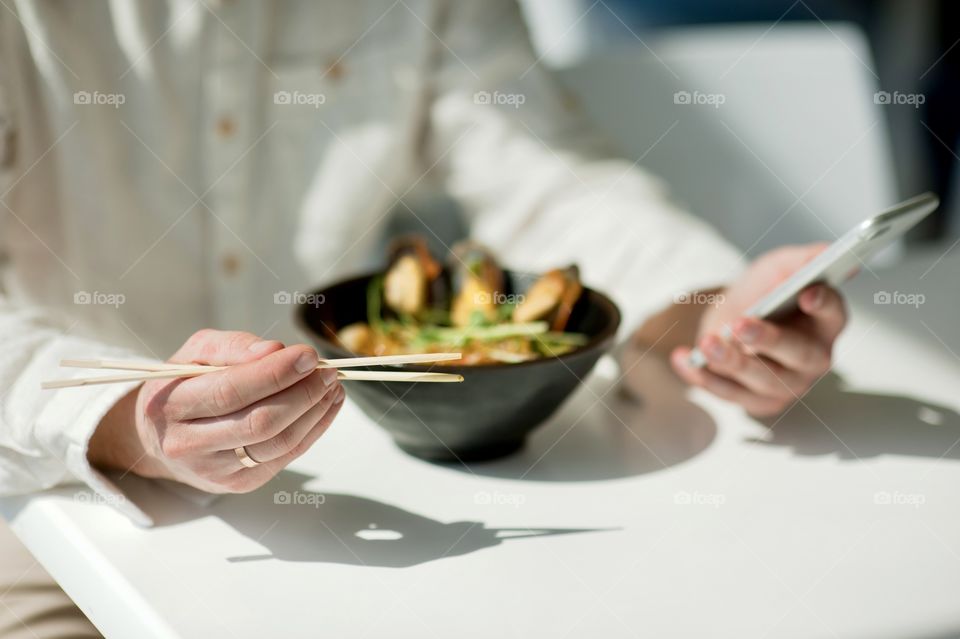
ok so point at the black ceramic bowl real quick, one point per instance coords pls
(489, 414)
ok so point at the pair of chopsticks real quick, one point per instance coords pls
(151, 370)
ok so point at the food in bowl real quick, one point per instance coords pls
(418, 306)
(498, 405)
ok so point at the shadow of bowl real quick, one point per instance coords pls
(629, 419)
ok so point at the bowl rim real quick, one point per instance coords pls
(597, 341)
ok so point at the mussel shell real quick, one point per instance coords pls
(477, 283)
(551, 298)
(410, 283)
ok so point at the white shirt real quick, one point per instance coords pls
(172, 166)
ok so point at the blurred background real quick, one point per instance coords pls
(809, 115)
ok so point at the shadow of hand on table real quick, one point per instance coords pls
(296, 524)
(853, 424)
(637, 423)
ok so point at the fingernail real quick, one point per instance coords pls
(328, 375)
(818, 297)
(306, 362)
(717, 350)
(816, 300)
(695, 359)
(748, 332)
(341, 394)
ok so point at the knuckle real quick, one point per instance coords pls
(271, 344)
(276, 378)
(231, 343)
(311, 393)
(300, 447)
(208, 350)
(331, 396)
(174, 448)
(260, 423)
(201, 337)
(205, 467)
(161, 408)
(284, 442)
(239, 341)
(155, 410)
(226, 396)
(167, 412)
(272, 372)
(315, 389)
(298, 450)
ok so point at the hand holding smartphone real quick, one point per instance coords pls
(840, 260)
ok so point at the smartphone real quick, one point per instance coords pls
(840, 260)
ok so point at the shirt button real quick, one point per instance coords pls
(226, 127)
(334, 70)
(230, 264)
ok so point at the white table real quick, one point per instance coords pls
(666, 518)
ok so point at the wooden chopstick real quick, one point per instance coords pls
(116, 379)
(397, 376)
(153, 370)
(345, 362)
(360, 376)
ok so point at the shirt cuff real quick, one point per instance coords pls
(701, 263)
(66, 424)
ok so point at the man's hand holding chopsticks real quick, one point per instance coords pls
(226, 431)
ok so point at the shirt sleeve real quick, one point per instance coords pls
(44, 434)
(540, 188)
